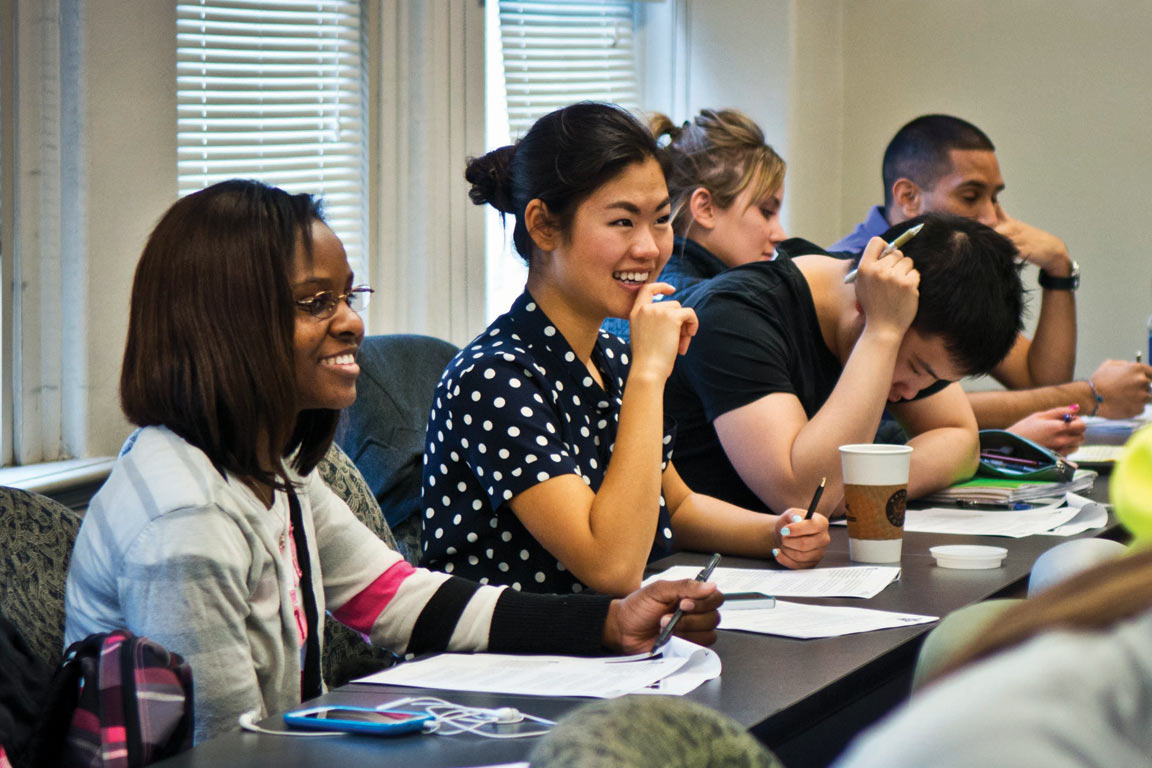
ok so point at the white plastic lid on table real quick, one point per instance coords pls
(968, 556)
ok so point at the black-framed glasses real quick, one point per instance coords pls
(323, 305)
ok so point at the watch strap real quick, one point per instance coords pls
(1070, 283)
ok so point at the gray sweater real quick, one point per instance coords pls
(173, 550)
(1060, 700)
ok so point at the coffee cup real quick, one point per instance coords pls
(875, 493)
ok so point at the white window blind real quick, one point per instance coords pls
(557, 53)
(276, 90)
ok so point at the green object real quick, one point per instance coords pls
(1132, 486)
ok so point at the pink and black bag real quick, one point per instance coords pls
(118, 701)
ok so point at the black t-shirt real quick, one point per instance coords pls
(759, 335)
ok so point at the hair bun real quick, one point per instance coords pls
(488, 176)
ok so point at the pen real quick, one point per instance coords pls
(815, 498)
(999, 458)
(667, 631)
(904, 237)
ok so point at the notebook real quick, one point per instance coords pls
(993, 490)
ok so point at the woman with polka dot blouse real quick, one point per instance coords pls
(548, 460)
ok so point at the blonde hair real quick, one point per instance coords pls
(722, 151)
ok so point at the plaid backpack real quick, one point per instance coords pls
(117, 701)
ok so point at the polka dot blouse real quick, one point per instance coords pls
(513, 409)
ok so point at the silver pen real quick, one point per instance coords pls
(904, 237)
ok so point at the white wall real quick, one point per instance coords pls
(131, 113)
(1062, 88)
(705, 54)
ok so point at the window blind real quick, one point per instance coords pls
(276, 90)
(557, 53)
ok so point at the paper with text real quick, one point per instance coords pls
(1012, 523)
(850, 581)
(806, 622)
(602, 677)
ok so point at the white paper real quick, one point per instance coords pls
(811, 621)
(851, 581)
(1096, 454)
(602, 677)
(701, 666)
(1090, 515)
(1011, 523)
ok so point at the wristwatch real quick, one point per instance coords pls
(1070, 283)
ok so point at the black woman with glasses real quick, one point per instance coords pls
(214, 534)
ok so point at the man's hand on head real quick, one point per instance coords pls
(1036, 246)
(887, 288)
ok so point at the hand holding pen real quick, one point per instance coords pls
(634, 621)
(1059, 429)
(679, 613)
(887, 288)
(896, 244)
(803, 534)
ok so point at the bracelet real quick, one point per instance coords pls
(1095, 396)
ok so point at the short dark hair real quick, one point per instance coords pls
(970, 288)
(210, 331)
(920, 150)
(565, 156)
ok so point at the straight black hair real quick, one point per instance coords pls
(211, 326)
(565, 156)
(970, 288)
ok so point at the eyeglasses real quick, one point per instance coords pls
(323, 305)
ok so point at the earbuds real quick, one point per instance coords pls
(505, 715)
(452, 719)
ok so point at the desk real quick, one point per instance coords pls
(803, 698)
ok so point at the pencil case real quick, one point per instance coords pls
(1008, 456)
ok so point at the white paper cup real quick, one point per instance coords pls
(876, 490)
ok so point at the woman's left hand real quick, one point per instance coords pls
(802, 542)
(634, 622)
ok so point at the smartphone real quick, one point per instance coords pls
(379, 722)
(739, 601)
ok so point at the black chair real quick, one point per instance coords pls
(383, 432)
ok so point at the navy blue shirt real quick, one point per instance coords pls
(516, 407)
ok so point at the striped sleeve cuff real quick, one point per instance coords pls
(437, 624)
(531, 623)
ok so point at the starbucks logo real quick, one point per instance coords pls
(895, 507)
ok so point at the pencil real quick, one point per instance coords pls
(816, 498)
(904, 237)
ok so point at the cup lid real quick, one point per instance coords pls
(968, 556)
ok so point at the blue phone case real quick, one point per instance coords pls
(415, 722)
